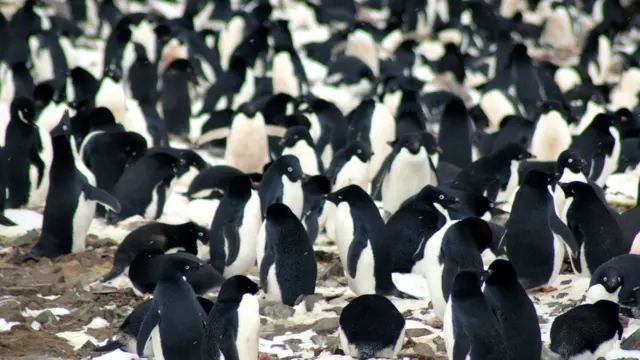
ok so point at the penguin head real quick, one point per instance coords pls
(549, 106)
(466, 284)
(317, 185)
(538, 178)
(602, 122)
(182, 66)
(181, 263)
(63, 128)
(514, 151)
(191, 159)
(295, 134)
(571, 160)
(454, 110)
(609, 278)
(434, 195)
(23, 109)
(195, 232)
(351, 193)
(360, 149)
(240, 187)
(416, 141)
(501, 273)
(575, 188)
(477, 230)
(101, 117)
(248, 109)
(235, 287)
(135, 146)
(289, 166)
(43, 94)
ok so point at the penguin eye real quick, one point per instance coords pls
(570, 161)
(200, 234)
(290, 169)
(340, 197)
(186, 267)
(441, 197)
(359, 151)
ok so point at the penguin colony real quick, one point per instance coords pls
(466, 141)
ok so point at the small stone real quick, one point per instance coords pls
(440, 347)
(293, 344)
(542, 320)
(423, 349)
(277, 311)
(72, 272)
(10, 310)
(47, 319)
(414, 333)
(332, 271)
(88, 345)
(561, 295)
(20, 291)
(319, 340)
(326, 326)
(434, 322)
(565, 282)
(632, 342)
(310, 301)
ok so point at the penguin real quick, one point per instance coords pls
(407, 169)
(472, 331)
(125, 338)
(314, 191)
(333, 136)
(364, 253)
(247, 127)
(233, 326)
(175, 320)
(111, 94)
(282, 183)
(235, 227)
(595, 145)
(596, 231)
(156, 237)
(628, 222)
(615, 280)
(371, 327)
(456, 134)
(145, 272)
(71, 200)
(288, 269)
(175, 98)
(515, 311)
(213, 181)
(297, 141)
(143, 187)
(29, 155)
(551, 134)
(535, 228)
(457, 245)
(418, 218)
(588, 331)
(513, 128)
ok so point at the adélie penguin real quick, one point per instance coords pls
(535, 228)
(288, 269)
(314, 191)
(515, 311)
(587, 331)
(233, 327)
(71, 200)
(298, 142)
(282, 183)
(371, 326)
(364, 253)
(235, 227)
(616, 280)
(175, 96)
(175, 321)
(156, 237)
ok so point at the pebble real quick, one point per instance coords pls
(277, 311)
(326, 325)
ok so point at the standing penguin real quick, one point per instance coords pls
(514, 310)
(234, 228)
(475, 329)
(175, 321)
(371, 326)
(551, 134)
(175, 98)
(282, 183)
(29, 154)
(71, 200)
(233, 328)
(616, 280)
(535, 228)
(596, 231)
(456, 134)
(456, 246)
(587, 331)
(298, 142)
(288, 269)
(156, 237)
(407, 169)
(363, 252)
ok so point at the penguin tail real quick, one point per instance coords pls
(367, 351)
(109, 346)
(5, 221)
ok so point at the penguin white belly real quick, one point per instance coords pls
(248, 335)
(82, 218)
(635, 246)
(383, 131)
(247, 90)
(583, 263)
(610, 161)
(512, 185)
(326, 156)
(558, 257)
(156, 344)
(550, 137)
(307, 156)
(136, 121)
(284, 77)
(273, 293)
(593, 109)
(247, 145)
(365, 281)
(344, 231)
(353, 172)
(251, 224)
(152, 209)
(230, 38)
(261, 242)
(497, 106)
(43, 65)
(407, 176)
(51, 115)
(112, 96)
(292, 195)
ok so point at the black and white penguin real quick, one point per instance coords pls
(235, 227)
(29, 155)
(551, 134)
(213, 181)
(71, 200)
(472, 331)
(298, 142)
(315, 190)
(126, 337)
(282, 183)
(596, 231)
(175, 96)
(419, 217)
(535, 228)
(156, 238)
(616, 280)
(288, 269)
(587, 331)
(515, 311)
(407, 169)
(143, 187)
(364, 253)
(598, 146)
(457, 245)
(233, 327)
(145, 272)
(371, 327)
(175, 320)
(455, 136)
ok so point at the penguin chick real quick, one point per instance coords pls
(371, 326)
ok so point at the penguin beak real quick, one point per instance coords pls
(305, 177)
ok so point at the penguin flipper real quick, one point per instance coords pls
(232, 237)
(109, 346)
(558, 227)
(355, 250)
(267, 262)
(211, 135)
(228, 347)
(148, 324)
(101, 196)
(461, 346)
